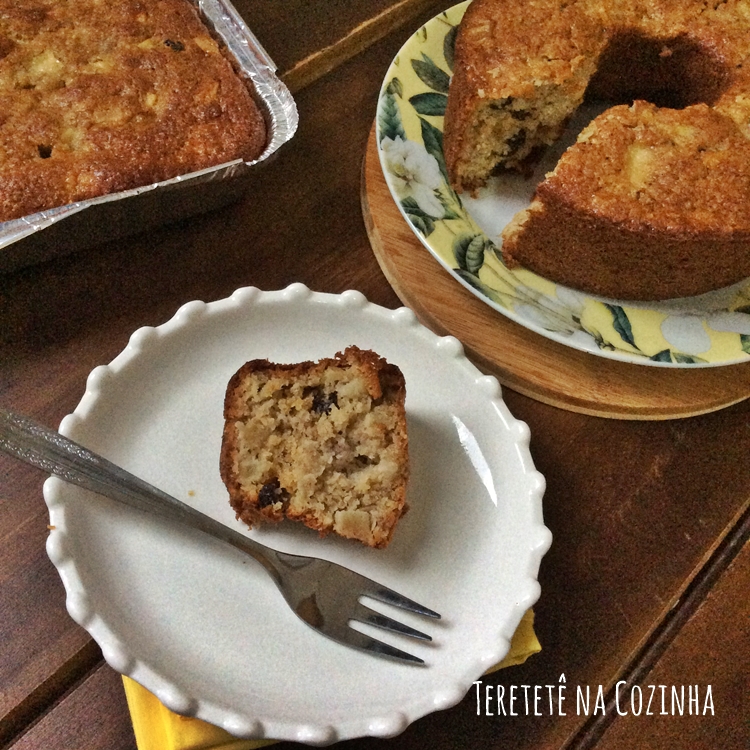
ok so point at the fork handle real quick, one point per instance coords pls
(52, 452)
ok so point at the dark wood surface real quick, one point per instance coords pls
(647, 579)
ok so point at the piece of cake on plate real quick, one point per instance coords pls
(324, 443)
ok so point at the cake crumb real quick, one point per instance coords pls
(323, 443)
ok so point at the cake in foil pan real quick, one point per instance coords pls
(110, 111)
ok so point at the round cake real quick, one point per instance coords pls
(653, 201)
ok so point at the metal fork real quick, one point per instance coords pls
(323, 594)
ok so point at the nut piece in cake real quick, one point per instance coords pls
(323, 443)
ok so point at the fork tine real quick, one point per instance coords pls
(367, 643)
(364, 614)
(383, 594)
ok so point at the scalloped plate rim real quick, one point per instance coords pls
(143, 346)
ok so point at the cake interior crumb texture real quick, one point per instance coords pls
(98, 97)
(324, 443)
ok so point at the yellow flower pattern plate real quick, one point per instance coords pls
(463, 233)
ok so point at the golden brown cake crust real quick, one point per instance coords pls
(652, 202)
(98, 97)
(527, 64)
(324, 443)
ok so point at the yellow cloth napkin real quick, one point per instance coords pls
(158, 728)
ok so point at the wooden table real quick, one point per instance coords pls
(647, 579)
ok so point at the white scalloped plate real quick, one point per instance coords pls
(203, 627)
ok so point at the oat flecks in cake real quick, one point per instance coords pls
(323, 443)
(98, 97)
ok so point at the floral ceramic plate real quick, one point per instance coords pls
(462, 233)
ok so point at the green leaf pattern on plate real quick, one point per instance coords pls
(621, 324)
(433, 143)
(418, 172)
(389, 118)
(449, 44)
(429, 103)
(469, 251)
(410, 138)
(431, 75)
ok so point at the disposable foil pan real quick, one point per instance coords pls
(79, 225)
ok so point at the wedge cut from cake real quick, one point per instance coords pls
(650, 204)
(324, 443)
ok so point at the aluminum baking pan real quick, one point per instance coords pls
(56, 231)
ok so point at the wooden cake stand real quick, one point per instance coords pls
(522, 359)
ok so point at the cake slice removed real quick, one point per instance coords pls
(323, 443)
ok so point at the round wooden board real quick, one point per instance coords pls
(522, 359)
